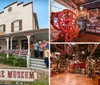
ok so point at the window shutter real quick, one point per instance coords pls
(20, 25)
(3, 28)
(12, 27)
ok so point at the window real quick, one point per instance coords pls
(2, 28)
(16, 26)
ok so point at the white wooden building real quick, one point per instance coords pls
(19, 26)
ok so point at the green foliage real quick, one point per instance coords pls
(43, 81)
(13, 61)
(40, 82)
(20, 62)
(3, 58)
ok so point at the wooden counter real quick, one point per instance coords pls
(97, 79)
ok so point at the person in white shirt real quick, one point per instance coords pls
(40, 50)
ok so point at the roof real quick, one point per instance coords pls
(17, 5)
(36, 20)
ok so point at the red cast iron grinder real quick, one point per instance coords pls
(67, 23)
(54, 23)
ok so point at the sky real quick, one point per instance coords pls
(41, 7)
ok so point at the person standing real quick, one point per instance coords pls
(44, 43)
(46, 55)
(40, 50)
(36, 49)
(32, 48)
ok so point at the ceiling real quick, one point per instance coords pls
(75, 49)
(42, 36)
(79, 2)
(90, 4)
(72, 2)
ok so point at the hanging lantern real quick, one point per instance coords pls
(83, 12)
(81, 7)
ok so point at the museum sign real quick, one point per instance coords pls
(24, 75)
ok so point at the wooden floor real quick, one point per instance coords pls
(88, 37)
(71, 79)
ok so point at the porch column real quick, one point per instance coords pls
(7, 39)
(11, 42)
(28, 56)
(28, 37)
(19, 41)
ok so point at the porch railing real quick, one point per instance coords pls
(15, 51)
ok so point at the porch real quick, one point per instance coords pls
(19, 43)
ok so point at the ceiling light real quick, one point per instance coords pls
(83, 52)
(73, 55)
(81, 7)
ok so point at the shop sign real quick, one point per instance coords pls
(23, 75)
